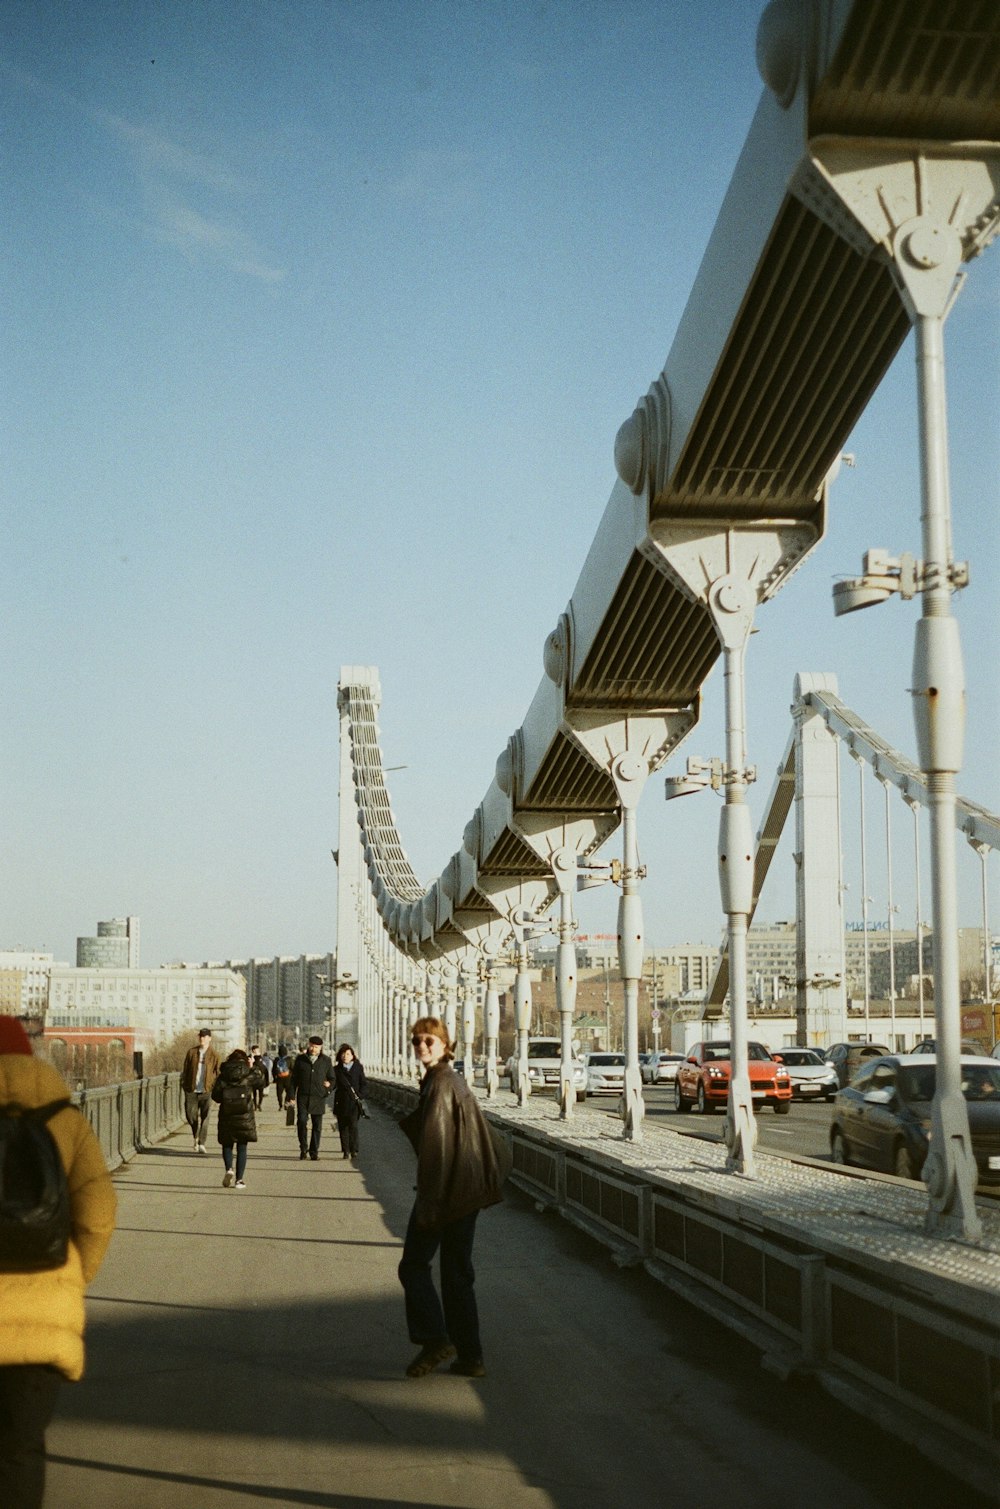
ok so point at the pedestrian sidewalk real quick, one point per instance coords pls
(249, 1345)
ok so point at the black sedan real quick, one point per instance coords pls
(882, 1118)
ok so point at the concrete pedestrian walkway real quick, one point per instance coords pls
(249, 1345)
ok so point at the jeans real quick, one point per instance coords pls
(303, 1118)
(426, 1320)
(241, 1157)
(27, 1403)
(281, 1090)
(196, 1109)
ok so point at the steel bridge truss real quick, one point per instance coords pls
(868, 180)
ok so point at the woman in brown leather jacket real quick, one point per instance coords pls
(458, 1175)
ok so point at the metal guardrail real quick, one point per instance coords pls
(926, 1371)
(133, 1115)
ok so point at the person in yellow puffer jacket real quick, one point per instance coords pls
(42, 1313)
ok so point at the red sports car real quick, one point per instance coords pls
(703, 1078)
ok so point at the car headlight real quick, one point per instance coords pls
(715, 1073)
(781, 1074)
(534, 1073)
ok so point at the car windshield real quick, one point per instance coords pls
(758, 1052)
(979, 1082)
(799, 1056)
(606, 1060)
(543, 1050)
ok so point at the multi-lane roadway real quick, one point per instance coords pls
(803, 1133)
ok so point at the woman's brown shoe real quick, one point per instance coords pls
(429, 1357)
(468, 1367)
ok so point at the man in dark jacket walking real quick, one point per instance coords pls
(312, 1076)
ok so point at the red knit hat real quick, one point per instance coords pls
(13, 1038)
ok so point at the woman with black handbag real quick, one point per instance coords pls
(349, 1086)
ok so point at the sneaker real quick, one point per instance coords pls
(303, 1154)
(196, 1146)
(241, 1184)
(468, 1367)
(227, 1179)
(429, 1357)
(202, 1148)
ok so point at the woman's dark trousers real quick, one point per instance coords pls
(455, 1314)
(347, 1126)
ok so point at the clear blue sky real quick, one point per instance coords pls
(319, 323)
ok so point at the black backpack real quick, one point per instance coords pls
(236, 1099)
(35, 1217)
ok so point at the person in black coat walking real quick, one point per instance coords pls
(234, 1091)
(349, 1086)
(312, 1077)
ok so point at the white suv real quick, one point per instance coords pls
(544, 1060)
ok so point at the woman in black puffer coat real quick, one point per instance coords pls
(234, 1092)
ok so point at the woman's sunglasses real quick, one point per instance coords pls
(424, 1042)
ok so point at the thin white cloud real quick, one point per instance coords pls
(155, 154)
(193, 234)
(159, 162)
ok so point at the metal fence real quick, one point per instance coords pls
(133, 1115)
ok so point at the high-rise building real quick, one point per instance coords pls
(289, 991)
(116, 945)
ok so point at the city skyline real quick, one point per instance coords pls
(322, 324)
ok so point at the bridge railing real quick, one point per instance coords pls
(132, 1115)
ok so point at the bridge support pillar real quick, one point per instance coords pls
(733, 601)
(449, 977)
(564, 871)
(468, 988)
(522, 1015)
(629, 773)
(491, 1024)
(939, 712)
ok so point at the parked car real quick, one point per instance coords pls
(847, 1058)
(882, 1118)
(544, 1063)
(660, 1067)
(811, 1076)
(929, 1045)
(605, 1073)
(703, 1078)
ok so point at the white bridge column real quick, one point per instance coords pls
(564, 872)
(522, 1015)
(630, 773)
(449, 977)
(733, 601)
(820, 998)
(491, 1022)
(468, 1039)
(939, 712)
